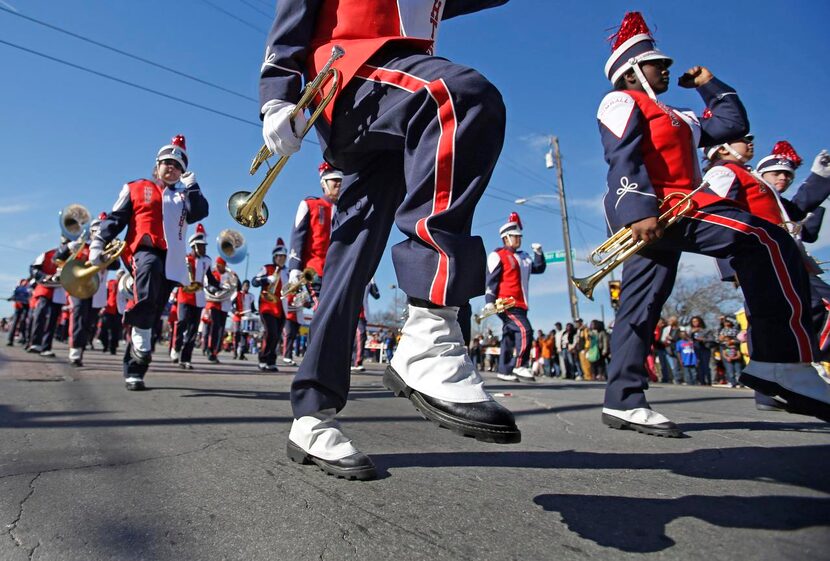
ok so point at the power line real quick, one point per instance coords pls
(131, 84)
(233, 16)
(126, 54)
(256, 9)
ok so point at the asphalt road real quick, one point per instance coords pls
(195, 469)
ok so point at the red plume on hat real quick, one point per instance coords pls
(280, 242)
(200, 229)
(220, 261)
(102, 216)
(632, 24)
(784, 149)
(514, 217)
(324, 167)
(179, 141)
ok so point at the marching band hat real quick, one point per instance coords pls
(199, 237)
(327, 171)
(632, 44)
(221, 261)
(783, 158)
(176, 150)
(279, 249)
(513, 227)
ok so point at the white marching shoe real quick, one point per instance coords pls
(318, 439)
(524, 374)
(174, 355)
(432, 368)
(804, 386)
(641, 419)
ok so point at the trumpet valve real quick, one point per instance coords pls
(261, 156)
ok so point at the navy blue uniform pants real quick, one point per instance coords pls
(289, 335)
(417, 138)
(18, 323)
(187, 330)
(768, 265)
(44, 322)
(217, 331)
(151, 289)
(110, 332)
(81, 321)
(516, 335)
(360, 341)
(272, 331)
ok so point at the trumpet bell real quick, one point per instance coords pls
(79, 280)
(587, 284)
(253, 217)
(231, 245)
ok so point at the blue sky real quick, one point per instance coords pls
(69, 136)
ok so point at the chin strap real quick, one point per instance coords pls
(635, 65)
(728, 148)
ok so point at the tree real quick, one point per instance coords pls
(708, 297)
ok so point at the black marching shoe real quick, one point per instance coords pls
(140, 358)
(76, 362)
(135, 385)
(357, 466)
(642, 420)
(487, 421)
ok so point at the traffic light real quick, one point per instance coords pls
(614, 292)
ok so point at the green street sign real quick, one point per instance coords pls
(556, 256)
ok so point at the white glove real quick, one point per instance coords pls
(188, 178)
(536, 247)
(76, 245)
(96, 249)
(489, 308)
(821, 165)
(280, 136)
(271, 278)
(294, 276)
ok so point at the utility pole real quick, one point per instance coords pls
(555, 160)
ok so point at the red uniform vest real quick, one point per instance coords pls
(271, 308)
(362, 27)
(755, 196)
(670, 152)
(112, 297)
(316, 243)
(146, 219)
(211, 305)
(48, 268)
(512, 283)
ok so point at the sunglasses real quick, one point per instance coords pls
(173, 163)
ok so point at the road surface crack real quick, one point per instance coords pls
(18, 542)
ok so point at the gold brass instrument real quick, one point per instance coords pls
(248, 208)
(193, 285)
(226, 289)
(80, 279)
(231, 246)
(502, 304)
(74, 220)
(620, 246)
(307, 277)
(270, 292)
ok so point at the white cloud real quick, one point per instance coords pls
(14, 208)
(536, 140)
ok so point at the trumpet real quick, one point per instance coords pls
(502, 304)
(620, 246)
(307, 277)
(248, 208)
(80, 279)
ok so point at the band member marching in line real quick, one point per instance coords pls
(651, 152)
(222, 284)
(508, 275)
(759, 192)
(156, 214)
(84, 311)
(311, 235)
(360, 334)
(271, 279)
(242, 304)
(191, 300)
(50, 298)
(111, 329)
(21, 296)
(417, 138)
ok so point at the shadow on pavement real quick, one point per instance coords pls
(638, 525)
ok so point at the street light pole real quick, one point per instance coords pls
(566, 233)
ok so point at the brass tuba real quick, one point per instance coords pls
(248, 208)
(81, 279)
(74, 220)
(231, 246)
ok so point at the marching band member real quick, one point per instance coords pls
(111, 330)
(156, 214)
(84, 311)
(294, 306)
(651, 152)
(311, 234)
(20, 297)
(360, 334)
(508, 275)
(417, 138)
(219, 304)
(47, 311)
(270, 279)
(191, 300)
(242, 304)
